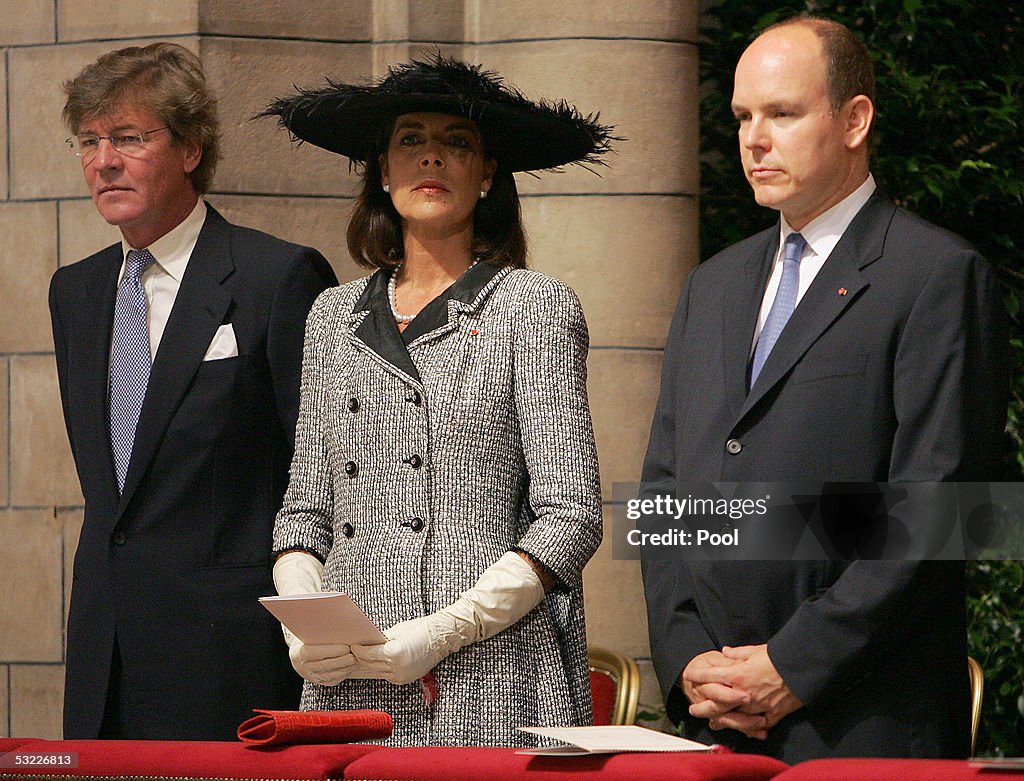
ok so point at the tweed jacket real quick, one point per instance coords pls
(424, 456)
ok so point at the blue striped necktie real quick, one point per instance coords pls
(129, 360)
(782, 307)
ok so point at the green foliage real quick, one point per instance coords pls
(950, 147)
(995, 616)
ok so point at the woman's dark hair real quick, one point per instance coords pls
(375, 230)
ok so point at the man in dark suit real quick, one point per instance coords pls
(850, 342)
(179, 355)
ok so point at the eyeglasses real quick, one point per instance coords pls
(86, 145)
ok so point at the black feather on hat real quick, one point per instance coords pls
(523, 135)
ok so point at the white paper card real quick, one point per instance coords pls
(608, 740)
(997, 763)
(324, 618)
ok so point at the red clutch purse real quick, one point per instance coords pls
(278, 727)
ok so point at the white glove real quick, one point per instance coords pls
(298, 572)
(327, 665)
(505, 592)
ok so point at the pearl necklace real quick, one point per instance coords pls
(400, 318)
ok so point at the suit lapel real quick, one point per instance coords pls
(372, 326)
(836, 287)
(96, 324)
(742, 302)
(467, 294)
(199, 309)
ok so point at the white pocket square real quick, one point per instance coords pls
(223, 344)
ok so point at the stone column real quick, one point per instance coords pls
(624, 240)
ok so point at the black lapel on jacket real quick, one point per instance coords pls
(199, 310)
(95, 320)
(742, 302)
(436, 314)
(823, 303)
(379, 333)
(378, 330)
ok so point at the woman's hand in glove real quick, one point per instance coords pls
(505, 592)
(413, 649)
(327, 665)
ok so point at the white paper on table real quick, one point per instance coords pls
(324, 618)
(608, 740)
(996, 763)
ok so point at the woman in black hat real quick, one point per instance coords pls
(445, 474)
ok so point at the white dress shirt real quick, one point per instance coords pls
(822, 234)
(163, 278)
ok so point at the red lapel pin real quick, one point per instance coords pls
(842, 291)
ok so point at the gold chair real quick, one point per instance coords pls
(977, 678)
(625, 677)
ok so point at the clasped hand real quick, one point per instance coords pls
(327, 665)
(413, 649)
(738, 688)
(409, 653)
(504, 593)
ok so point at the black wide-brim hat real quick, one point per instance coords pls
(522, 134)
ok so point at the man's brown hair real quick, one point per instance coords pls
(163, 77)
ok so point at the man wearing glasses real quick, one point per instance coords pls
(179, 353)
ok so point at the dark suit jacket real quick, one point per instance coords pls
(174, 565)
(893, 367)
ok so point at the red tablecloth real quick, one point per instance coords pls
(9, 744)
(503, 764)
(893, 770)
(228, 760)
(194, 759)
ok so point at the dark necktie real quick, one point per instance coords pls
(129, 360)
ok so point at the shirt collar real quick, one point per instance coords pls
(173, 249)
(823, 233)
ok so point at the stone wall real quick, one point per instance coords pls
(624, 240)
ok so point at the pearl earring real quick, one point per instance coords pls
(483, 193)
(387, 188)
